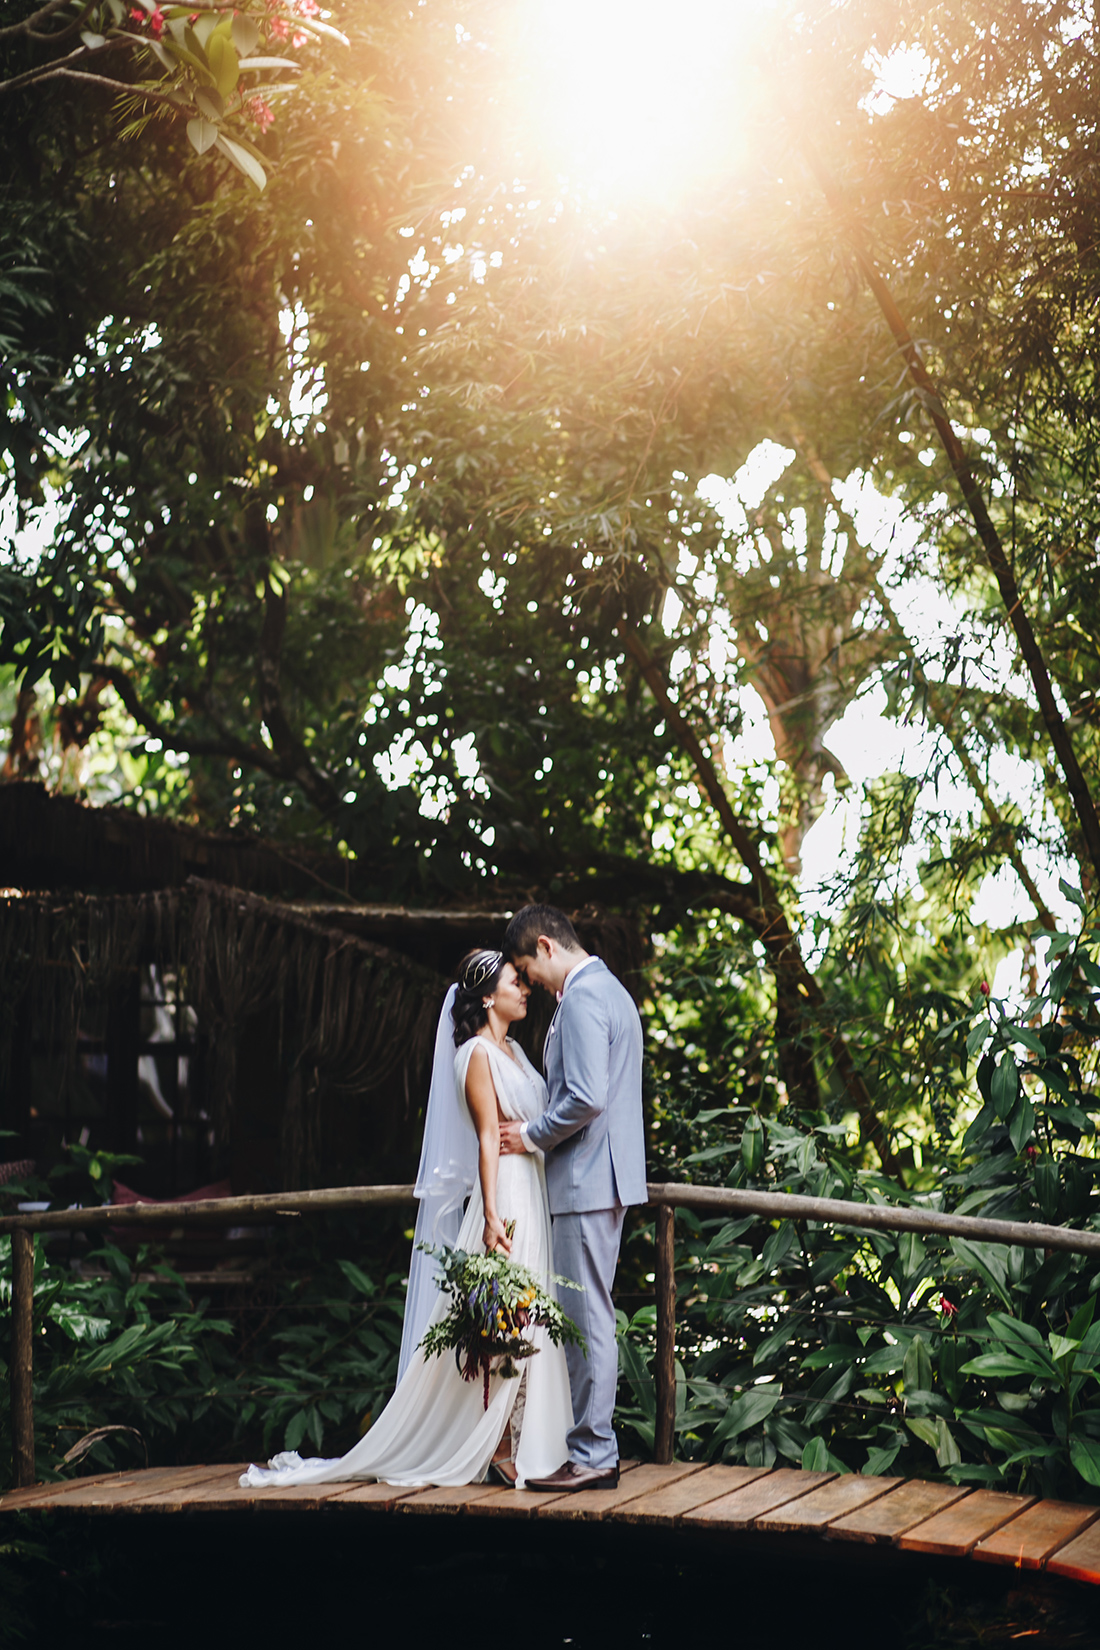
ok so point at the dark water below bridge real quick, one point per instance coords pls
(204, 1582)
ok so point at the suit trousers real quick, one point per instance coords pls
(586, 1250)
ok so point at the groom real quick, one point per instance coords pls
(592, 1134)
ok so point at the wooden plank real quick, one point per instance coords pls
(664, 1505)
(502, 1503)
(589, 1505)
(1030, 1539)
(16, 1500)
(222, 1493)
(446, 1499)
(1079, 1559)
(957, 1530)
(297, 1497)
(376, 1497)
(741, 1509)
(179, 1496)
(899, 1510)
(121, 1489)
(814, 1511)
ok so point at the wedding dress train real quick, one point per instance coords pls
(435, 1429)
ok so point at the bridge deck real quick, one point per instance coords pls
(905, 1515)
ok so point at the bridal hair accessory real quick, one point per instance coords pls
(481, 967)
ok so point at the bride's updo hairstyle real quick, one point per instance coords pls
(478, 973)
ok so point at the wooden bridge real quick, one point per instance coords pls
(744, 1507)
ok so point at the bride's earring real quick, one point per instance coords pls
(487, 1002)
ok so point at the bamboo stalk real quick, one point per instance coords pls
(664, 1363)
(875, 1217)
(22, 1358)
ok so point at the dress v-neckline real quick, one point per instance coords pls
(501, 1049)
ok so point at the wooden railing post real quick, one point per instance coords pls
(664, 1363)
(22, 1357)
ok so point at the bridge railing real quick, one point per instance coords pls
(666, 1199)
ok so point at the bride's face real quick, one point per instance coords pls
(510, 994)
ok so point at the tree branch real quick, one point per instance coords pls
(294, 760)
(28, 24)
(796, 988)
(996, 558)
(236, 749)
(820, 472)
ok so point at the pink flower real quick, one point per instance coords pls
(137, 15)
(278, 28)
(260, 113)
(156, 23)
(307, 8)
(299, 37)
(1032, 1152)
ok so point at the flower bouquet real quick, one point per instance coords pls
(494, 1303)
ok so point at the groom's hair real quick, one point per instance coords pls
(521, 938)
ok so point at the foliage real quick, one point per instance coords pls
(873, 1352)
(127, 1349)
(183, 62)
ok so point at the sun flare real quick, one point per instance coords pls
(637, 99)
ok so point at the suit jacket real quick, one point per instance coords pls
(592, 1130)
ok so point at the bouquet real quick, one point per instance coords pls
(494, 1303)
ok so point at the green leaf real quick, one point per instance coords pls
(296, 1430)
(1085, 1455)
(912, 1255)
(815, 1457)
(246, 35)
(749, 1410)
(1024, 1035)
(917, 1367)
(358, 1279)
(202, 134)
(1007, 1364)
(1004, 1087)
(880, 1461)
(778, 1245)
(222, 58)
(1072, 893)
(243, 161)
(1021, 1125)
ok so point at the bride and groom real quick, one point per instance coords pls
(563, 1159)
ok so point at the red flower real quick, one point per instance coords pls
(260, 113)
(984, 988)
(948, 1308)
(156, 23)
(137, 15)
(1032, 1152)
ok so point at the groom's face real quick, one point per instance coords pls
(539, 969)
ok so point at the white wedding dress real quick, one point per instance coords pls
(435, 1429)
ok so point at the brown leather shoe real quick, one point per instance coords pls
(572, 1477)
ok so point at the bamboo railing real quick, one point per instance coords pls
(665, 1199)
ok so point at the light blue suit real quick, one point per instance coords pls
(593, 1136)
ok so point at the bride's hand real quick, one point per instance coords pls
(494, 1236)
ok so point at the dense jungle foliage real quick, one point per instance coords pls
(507, 529)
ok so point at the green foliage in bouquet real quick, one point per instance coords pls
(495, 1303)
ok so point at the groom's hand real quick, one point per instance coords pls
(511, 1140)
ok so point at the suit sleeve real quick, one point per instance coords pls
(584, 1029)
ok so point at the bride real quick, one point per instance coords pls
(436, 1428)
